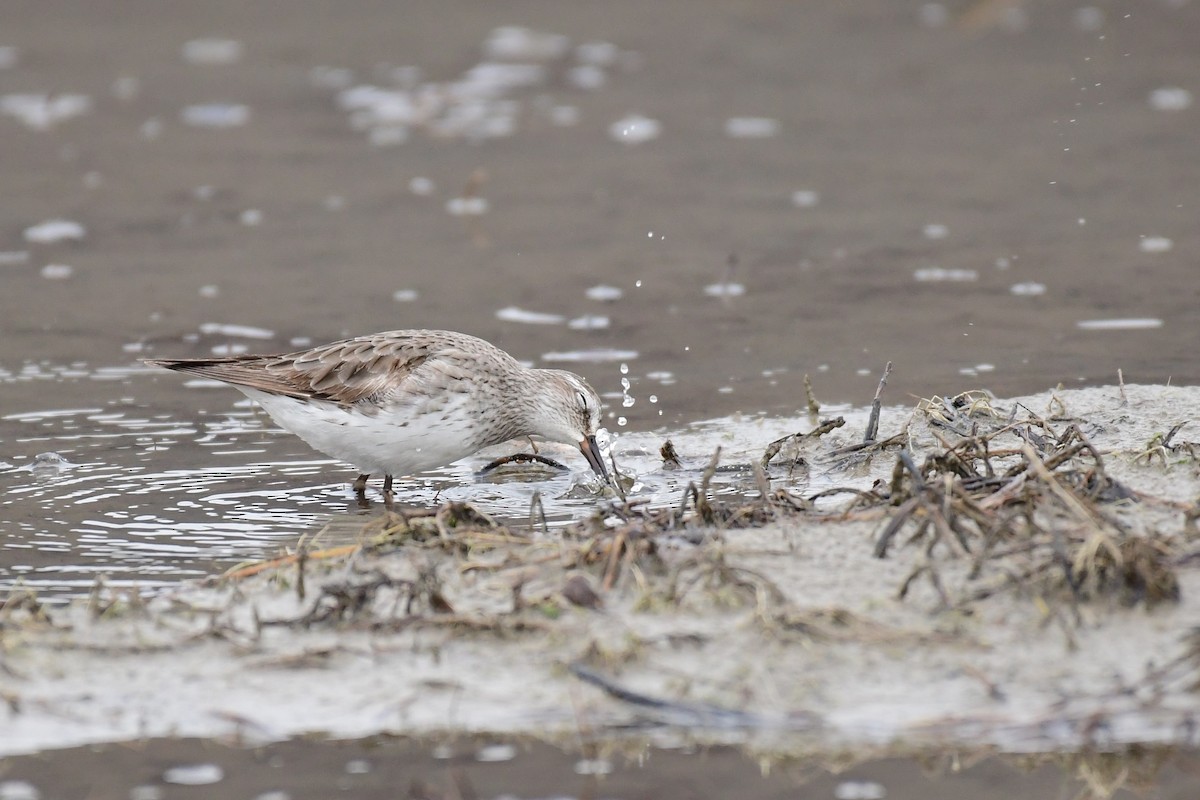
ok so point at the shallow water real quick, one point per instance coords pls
(511, 770)
(137, 497)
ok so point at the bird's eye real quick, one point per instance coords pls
(583, 401)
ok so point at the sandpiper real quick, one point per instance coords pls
(399, 402)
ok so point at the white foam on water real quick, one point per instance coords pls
(935, 230)
(421, 186)
(1155, 244)
(194, 775)
(1027, 289)
(467, 206)
(43, 111)
(1128, 324)
(594, 356)
(634, 129)
(514, 314)
(55, 230)
(514, 42)
(1170, 98)
(57, 272)
(725, 289)
(212, 51)
(751, 127)
(243, 331)
(604, 292)
(943, 275)
(588, 322)
(215, 115)
(805, 198)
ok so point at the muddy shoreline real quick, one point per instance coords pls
(785, 635)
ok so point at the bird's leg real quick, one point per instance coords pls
(387, 490)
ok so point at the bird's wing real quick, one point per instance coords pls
(345, 372)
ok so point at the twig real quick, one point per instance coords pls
(873, 420)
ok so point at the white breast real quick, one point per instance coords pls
(393, 441)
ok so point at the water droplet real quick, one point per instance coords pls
(622, 421)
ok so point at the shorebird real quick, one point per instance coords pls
(400, 402)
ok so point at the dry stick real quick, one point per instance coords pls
(873, 421)
(1068, 499)
(894, 525)
(1121, 383)
(814, 408)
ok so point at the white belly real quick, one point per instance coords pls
(396, 442)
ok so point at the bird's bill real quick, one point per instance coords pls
(591, 451)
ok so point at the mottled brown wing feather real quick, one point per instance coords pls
(344, 372)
